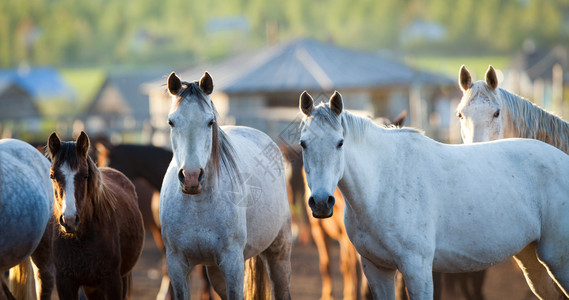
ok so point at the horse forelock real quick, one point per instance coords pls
(479, 91)
(528, 120)
(192, 90)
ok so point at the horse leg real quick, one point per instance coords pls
(471, 284)
(418, 275)
(113, 287)
(437, 286)
(348, 266)
(381, 280)
(400, 289)
(322, 242)
(217, 280)
(554, 260)
(179, 273)
(43, 261)
(232, 266)
(67, 289)
(537, 277)
(277, 257)
(93, 293)
(127, 285)
(165, 290)
(206, 291)
(5, 293)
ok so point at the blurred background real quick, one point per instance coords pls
(101, 65)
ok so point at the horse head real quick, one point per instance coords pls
(322, 140)
(479, 109)
(193, 130)
(73, 180)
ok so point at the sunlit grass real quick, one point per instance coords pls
(85, 82)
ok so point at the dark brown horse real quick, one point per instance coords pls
(99, 235)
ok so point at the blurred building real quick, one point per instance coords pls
(21, 91)
(119, 107)
(42, 83)
(261, 89)
(17, 110)
(542, 75)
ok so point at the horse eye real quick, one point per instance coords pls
(211, 123)
(86, 177)
(303, 144)
(52, 176)
(170, 123)
(340, 144)
(497, 113)
(459, 115)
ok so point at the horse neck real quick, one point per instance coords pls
(527, 120)
(366, 161)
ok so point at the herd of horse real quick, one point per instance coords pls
(402, 206)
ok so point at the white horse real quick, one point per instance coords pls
(417, 205)
(488, 113)
(223, 199)
(26, 203)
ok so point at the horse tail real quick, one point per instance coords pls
(257, 285)
(21, 281)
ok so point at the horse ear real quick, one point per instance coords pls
(206, 83)
(398, 121)
(82, 144)
(174, 84)
(306, 103)
(491, 78)
(336, 103)
(464, 79)
(53, 144)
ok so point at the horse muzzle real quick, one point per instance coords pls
(69, 223)
(322, 205)
(191, 181)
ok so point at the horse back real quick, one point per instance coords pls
(127, 215)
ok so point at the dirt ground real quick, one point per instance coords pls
(503, 281)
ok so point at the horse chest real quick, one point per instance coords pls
(368, 243)
(203, 234)
(85, 260)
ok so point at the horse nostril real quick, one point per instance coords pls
(181, 175)
(201, 175)
(76, 220)
(311, 202)
(331, 201)
(61, 222)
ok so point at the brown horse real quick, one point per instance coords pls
(99, 235)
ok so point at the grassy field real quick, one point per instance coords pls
(86, 82)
